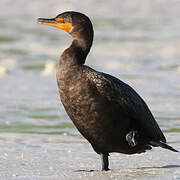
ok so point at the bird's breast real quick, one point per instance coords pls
(74, 92)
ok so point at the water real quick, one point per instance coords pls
(136, 41)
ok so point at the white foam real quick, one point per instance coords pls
(6, 65)
(3, 71)
(50, 68)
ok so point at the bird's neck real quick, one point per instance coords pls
(77, 52)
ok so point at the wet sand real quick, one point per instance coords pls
(58, 157)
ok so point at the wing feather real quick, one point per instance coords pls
(128, 99)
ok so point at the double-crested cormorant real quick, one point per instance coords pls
(105, 110)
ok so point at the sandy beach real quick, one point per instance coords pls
(53, 157)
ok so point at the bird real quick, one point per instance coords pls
(109, 113)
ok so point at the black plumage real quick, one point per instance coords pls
(105, 110)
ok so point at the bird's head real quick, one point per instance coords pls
(71, 22)
(62, 21)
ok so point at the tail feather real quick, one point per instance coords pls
(163, 145)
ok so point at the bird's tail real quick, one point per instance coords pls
(163, 145)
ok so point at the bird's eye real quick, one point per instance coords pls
(66, 20)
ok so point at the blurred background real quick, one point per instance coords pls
(137, 41)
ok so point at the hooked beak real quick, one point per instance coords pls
(46, 21)
(56, 22)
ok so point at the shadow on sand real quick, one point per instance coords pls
(154, 167)
(167, 166)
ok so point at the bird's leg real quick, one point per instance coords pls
(105, 162)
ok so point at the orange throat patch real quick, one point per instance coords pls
(66, 26)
